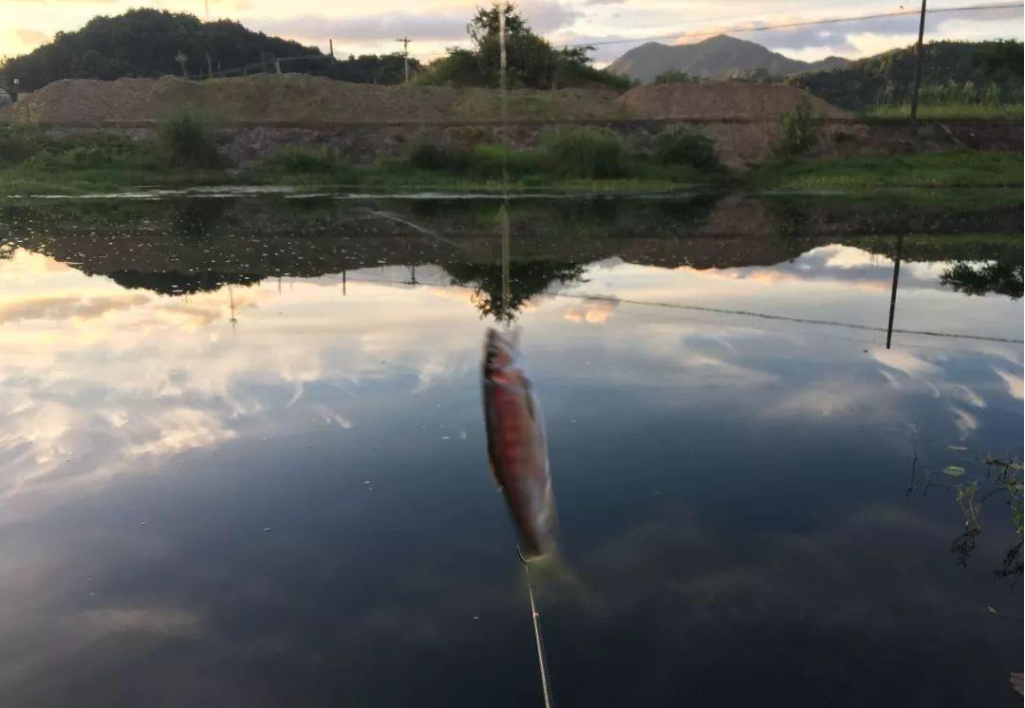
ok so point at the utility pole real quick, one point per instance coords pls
(209, 67)
(181, 58)
(405, 54)
(331, 49)
(918, 69)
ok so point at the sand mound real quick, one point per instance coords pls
(720, 100)
(298, 98)
(309, 102)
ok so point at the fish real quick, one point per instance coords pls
(517, 445)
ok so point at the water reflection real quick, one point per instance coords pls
(701, 377)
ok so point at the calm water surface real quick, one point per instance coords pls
(242, 454)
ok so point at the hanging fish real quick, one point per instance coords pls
(517, 448)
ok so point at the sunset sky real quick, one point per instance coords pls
(360, 27)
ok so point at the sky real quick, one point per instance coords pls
(359, 27)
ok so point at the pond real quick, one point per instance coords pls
(243, 456)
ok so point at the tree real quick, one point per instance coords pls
(145, 42)
(532, 62)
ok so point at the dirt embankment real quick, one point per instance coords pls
(743, 119)
(298, 98)
(718, 101)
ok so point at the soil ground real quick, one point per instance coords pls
(298, 98)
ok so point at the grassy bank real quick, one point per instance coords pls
(568, 160)
(952, 111)
(574, 160)
(873, 172)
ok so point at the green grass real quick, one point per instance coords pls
(584, 160)
(925, 170)
(949, 111)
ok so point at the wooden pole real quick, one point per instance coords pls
(918, 68)
(893, 292)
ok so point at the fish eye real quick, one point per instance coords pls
(492, 352)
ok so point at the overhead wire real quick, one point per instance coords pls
(743, 29)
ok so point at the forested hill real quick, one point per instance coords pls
(146, 43)
(887, 78)
(714, 58)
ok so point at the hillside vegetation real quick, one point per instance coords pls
(961, 72)
(146, 42)
(715, 58)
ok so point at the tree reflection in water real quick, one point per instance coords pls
(525, 281)
(1000, 278)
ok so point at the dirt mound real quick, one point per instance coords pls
(721, 100)
(299, 98)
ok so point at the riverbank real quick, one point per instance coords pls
(569, 160)
(924, 174)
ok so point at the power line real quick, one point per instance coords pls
(723, 311)
(802, 23)
(681, 34)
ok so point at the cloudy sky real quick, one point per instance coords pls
(361, 27)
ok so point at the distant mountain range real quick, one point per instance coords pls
(718, 57)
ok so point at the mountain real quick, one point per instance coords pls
(713, 58)
(887, 78)
(146, 42)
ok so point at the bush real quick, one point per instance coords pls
(684, 147)
(488, 160)
(95, 151)
(188, 139)
(675, 76)
(584, 152)
(18, 143)
(800, 132)
(438, 158)
(306, 160)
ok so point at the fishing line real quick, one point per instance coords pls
(542, 661)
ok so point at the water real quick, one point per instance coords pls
(243, 459)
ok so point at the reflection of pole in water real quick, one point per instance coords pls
(231, 308)
(506, 248)
(504, 212)
(893, 293)
(343, 283)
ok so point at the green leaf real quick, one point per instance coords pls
(953, 470)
